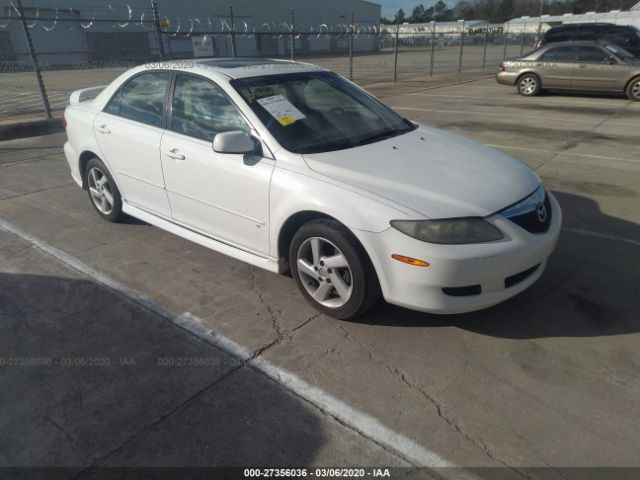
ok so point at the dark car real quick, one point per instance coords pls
(625, 36)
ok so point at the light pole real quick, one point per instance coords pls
(539, 22)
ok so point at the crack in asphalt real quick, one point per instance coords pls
(479, 443)
(438, 408)
(582, 138)
(275, 321)
(159, 420)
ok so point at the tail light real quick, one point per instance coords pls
(63, 121)
(502, 67)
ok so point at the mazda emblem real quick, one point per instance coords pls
(541, 211)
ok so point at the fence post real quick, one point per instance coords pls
(234, 52)
(461, 48)
(395, 53)
(484, 52)
(156, 28)
(433, 48)
(506, 39)
(34, 60)
(351, 47)
(293, 38)
(524, 30)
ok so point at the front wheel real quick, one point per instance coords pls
(331, 269)
(633, 90)
(529, 85)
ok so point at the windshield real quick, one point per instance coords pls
(315, 112)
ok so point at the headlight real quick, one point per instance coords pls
(451, 231)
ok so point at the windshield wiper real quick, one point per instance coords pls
(378, 137)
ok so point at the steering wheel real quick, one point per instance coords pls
(337, 110)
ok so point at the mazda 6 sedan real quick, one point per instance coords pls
(290, 167)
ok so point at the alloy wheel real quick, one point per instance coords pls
(100, 190)
(528, 85)
(324, 272)
(635, 90)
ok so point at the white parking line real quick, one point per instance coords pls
(537, 150)
(368, 426)
(501, 115)
(605, 236)
(517, 98)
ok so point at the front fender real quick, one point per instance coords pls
(293, 192)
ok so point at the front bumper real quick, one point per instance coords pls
(500, 269)
(507, 78)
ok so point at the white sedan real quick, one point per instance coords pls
(290, 167)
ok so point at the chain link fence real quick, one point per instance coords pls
(46, 53)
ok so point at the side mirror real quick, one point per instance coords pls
(235, 141)
(612, 61)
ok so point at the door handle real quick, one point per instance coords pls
(173, 153)
(103, 129)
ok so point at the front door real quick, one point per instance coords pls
(129, 131)
(225, 196)
(598, 70)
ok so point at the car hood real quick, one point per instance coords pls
(434, 173)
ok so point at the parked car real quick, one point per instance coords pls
(624, 36)
(583, 66)
(288, 166)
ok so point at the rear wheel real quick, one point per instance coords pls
(103, 192)
(633, 90)
(331, 269)
(529, 85)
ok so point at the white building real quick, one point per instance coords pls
(66, 32)
(530, 24)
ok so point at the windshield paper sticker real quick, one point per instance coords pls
(281, 109)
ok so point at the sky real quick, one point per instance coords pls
(390, 7)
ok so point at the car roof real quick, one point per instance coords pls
(584, 25)
(240, 67)
(577, 43)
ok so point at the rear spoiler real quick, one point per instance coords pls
(85, 94)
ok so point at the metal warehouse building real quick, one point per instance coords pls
(72, 31)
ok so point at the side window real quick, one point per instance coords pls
(141, 98)
(560, 54)
(593, 55)
(113, 106)
(202, 110)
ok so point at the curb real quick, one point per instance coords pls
(30, 129)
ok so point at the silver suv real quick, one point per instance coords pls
(584, 66)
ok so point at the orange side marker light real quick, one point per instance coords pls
(411, 261)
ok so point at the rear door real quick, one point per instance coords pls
(129, 131)
(556, 66)
(596, 70)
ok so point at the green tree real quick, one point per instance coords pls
(400, 16)
(442, 13)
(417, 16)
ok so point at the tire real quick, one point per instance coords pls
(633, 90)
(529, 85)
(346, 285)
(103, 192)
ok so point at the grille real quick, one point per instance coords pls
(530, 220)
